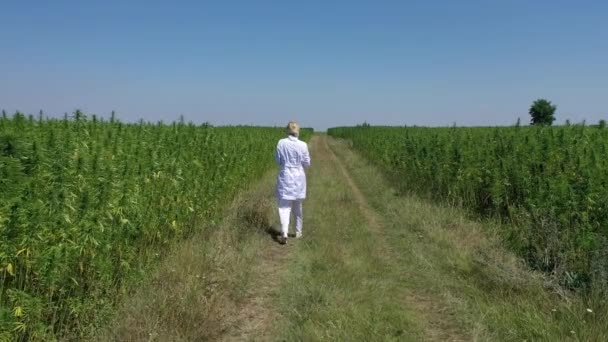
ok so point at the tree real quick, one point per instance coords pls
(542, 112)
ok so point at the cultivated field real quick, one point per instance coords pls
(549, 183)
(166, 232)
(87, 205)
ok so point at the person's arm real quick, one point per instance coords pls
(277, 156)
(306, 157)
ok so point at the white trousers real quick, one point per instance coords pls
(285, 208)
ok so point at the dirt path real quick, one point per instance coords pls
(370, 215)
(257, 312)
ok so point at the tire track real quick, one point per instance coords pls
(437, 327)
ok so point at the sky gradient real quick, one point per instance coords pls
(322, 63)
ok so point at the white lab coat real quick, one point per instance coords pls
(292, 156)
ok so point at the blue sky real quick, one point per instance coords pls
(323, 63)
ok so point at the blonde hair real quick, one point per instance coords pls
(293, 128)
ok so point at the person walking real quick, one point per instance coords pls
(293, 157)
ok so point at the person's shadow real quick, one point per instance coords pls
(275, 232)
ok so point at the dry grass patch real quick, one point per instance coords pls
(197, 291)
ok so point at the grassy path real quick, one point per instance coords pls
(341, 285)
(372, 266)
(343, 281)
(437, 326)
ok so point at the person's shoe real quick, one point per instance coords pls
(298, 235)
(283, 240)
